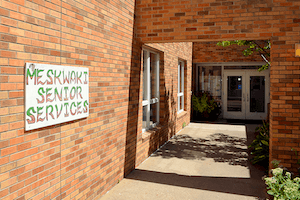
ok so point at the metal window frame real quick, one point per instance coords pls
(180, 79)
(149, 101)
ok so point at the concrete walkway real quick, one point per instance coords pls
(203, 161)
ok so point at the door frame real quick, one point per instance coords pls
(234, 114)
(252, 115)
(245, 113)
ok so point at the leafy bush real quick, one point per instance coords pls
(203, 104)
(260, 145)
(205, 107)
(282, 186)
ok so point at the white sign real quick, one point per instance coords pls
(55, 94)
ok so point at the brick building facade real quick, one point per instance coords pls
(206, 52)
(83, 159)
(206, 21)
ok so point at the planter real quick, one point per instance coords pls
(205, 116)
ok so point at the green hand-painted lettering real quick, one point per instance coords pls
(50, 77)
(28, 111)
(33, 75)
(41, 91)
(72, 113)
(56, 94)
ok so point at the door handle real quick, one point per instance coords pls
(247, 97)
(243, 97)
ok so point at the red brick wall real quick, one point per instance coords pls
(279, 21)
(82, 159)
(85, 158)
(141, 145)
(170, 121)
(75, 160)
(211, 52)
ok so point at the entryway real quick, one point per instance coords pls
(246, 94)
(238, 87)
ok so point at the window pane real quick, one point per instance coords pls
(234, 93)
(145, 75)
(182, 77)
(153, 75)
(180, 85)
(144, 117)
(179, 78)
(153, 113)
(150, 89)
(181, 102)
(210, 80)
(257, 94)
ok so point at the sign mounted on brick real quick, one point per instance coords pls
(55, 94)
(297, 50)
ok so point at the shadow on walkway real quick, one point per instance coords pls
(219, 146)
(218, 184)
(203, 161)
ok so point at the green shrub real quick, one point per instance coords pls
(203, 104)
(282, 186)
(276, 163)
(260, 145)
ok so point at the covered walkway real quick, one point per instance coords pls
(203, 161)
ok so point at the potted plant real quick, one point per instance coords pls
(205, 106)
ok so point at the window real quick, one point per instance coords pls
(150, 89)
(180, 94)
(209, 79)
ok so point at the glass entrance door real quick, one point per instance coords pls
(246, 94)
(234, 98)
(257, 94)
